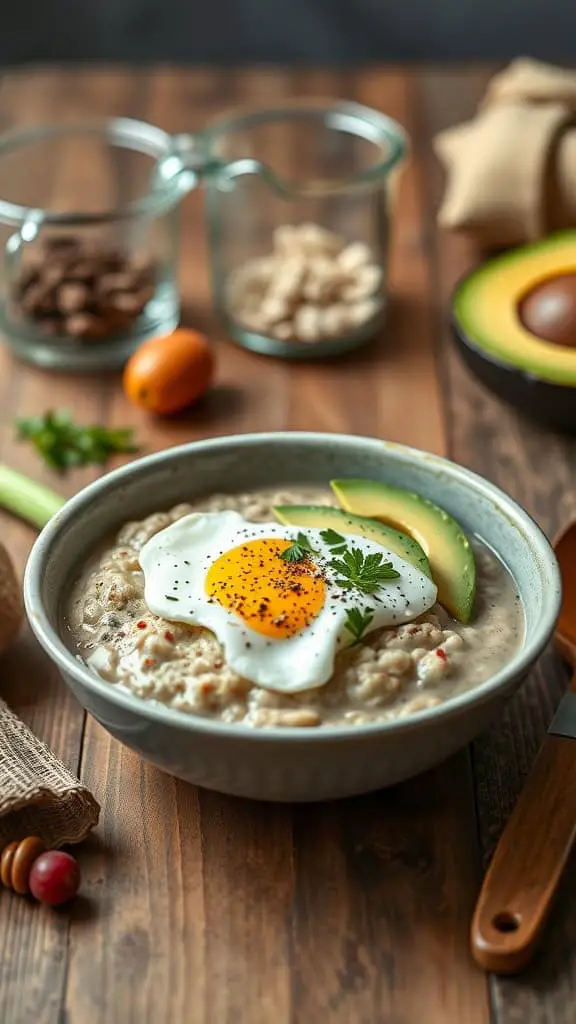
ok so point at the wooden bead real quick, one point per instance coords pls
(6, 864)
(16, 862)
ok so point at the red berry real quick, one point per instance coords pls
(54, 878)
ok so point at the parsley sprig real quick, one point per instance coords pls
(299, 550)
(365, 573)
(334, 540)
(354, 571)
(64, 444)
(357, 623)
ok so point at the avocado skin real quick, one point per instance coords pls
(552, 405)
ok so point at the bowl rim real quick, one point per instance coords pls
(69, 664)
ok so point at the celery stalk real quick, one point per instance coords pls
(25, 498)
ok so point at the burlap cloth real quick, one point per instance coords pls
(38, 794)
(511, 170)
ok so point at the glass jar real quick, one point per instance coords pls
(298, 202)
(90, 244)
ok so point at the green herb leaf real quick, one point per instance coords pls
(64, 444)
(365, 573)
(299, 550)
(357, 623)
(332, 539)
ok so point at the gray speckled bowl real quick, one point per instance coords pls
(289, 764)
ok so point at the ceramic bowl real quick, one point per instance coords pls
(552, 405)
(288, 764)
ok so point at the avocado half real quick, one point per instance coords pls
(438, 534)
(535, 374)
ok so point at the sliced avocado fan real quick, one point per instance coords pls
(325, 517)
(438, 534)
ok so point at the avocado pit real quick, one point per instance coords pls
(549, 310)
(514, 321)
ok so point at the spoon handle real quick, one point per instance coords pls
(524, 873)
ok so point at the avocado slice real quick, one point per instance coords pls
(325, 517)
(446, 545)
(490, 307)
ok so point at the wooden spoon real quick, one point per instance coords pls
(526, 868)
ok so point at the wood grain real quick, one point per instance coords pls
(32, 945)
(207, 910)
(368, 956)
(537, 468)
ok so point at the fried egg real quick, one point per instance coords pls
(280, 622)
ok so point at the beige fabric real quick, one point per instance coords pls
(497, 168)
(531, 81)
(38, 794)
(511, 171)
(562, 208)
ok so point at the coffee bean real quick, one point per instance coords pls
(119, 282)
(52, 276)
(51, 324)
(108, 257)
(144, 270)
(73, 296)
(82, 288)
(85, 325)
(39, 299)
(128, 302)
(83, 270)
(29, 275)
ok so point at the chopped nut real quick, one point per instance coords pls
(364, 282)
(355, 255)
(283, 331)
(273, 310)
(323, 280)
(313, 286)
(334, 319)
(287, 281)
(307, 323)
(358, 313)
(315, 240)
(285, 239)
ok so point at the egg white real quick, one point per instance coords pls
(175, 562)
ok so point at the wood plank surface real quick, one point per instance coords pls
(538, 468)
(203, 909)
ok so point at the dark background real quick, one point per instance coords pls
(285, 30)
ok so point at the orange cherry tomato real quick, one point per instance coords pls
(169, 373)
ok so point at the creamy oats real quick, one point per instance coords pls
(392, 674)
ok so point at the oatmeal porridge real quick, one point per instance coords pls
(393, 672)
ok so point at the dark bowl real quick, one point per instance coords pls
(553, 405)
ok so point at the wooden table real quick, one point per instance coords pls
(206, 910)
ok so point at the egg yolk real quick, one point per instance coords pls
(272, 596)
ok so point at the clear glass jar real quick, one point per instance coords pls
(298, 202)
(91, 244)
